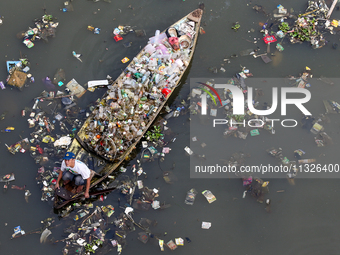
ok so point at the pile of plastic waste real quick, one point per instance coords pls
(308, 26)
(134, 99)
(44, 27)
(302, 81)
(47, 179)
(99, 231)
(88, 230)
(18, 73)
(53, 119)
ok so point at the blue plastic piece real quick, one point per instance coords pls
(96, 31)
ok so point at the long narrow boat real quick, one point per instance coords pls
(163, 62)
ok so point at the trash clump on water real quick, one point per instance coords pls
(124, 30)
(95, 30)
(322, 139)
(44, 27)
(309, 26)
(301, 81)
(53, 118)
(7, 179)
(256, 187)
(331, 106)
(18, 74)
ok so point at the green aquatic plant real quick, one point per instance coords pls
(24, 61)
(239, 118)
(89, 247)
(304, 31)
(284, 27)
(155, 134)
(236, 26)
(48, 17)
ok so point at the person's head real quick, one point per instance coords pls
(70, 159)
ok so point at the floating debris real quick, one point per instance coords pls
(45, 27)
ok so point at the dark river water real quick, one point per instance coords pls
(303, 218)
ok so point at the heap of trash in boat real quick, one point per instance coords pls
(133, 100)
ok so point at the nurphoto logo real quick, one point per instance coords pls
(239, 103)
(238, 99)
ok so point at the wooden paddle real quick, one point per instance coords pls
(95, 193)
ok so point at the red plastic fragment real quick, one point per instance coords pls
(118, 38)
(269, 39)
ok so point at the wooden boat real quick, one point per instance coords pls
(81, 149)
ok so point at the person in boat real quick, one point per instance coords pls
(75, 170)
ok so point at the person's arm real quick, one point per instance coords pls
(59, 179)
(88, 184)
(62, 168)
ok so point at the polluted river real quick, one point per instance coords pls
(219, 137)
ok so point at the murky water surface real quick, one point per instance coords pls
(304, 218)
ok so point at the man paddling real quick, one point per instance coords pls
(75, 170)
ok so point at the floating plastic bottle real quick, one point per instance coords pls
(157, 37)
